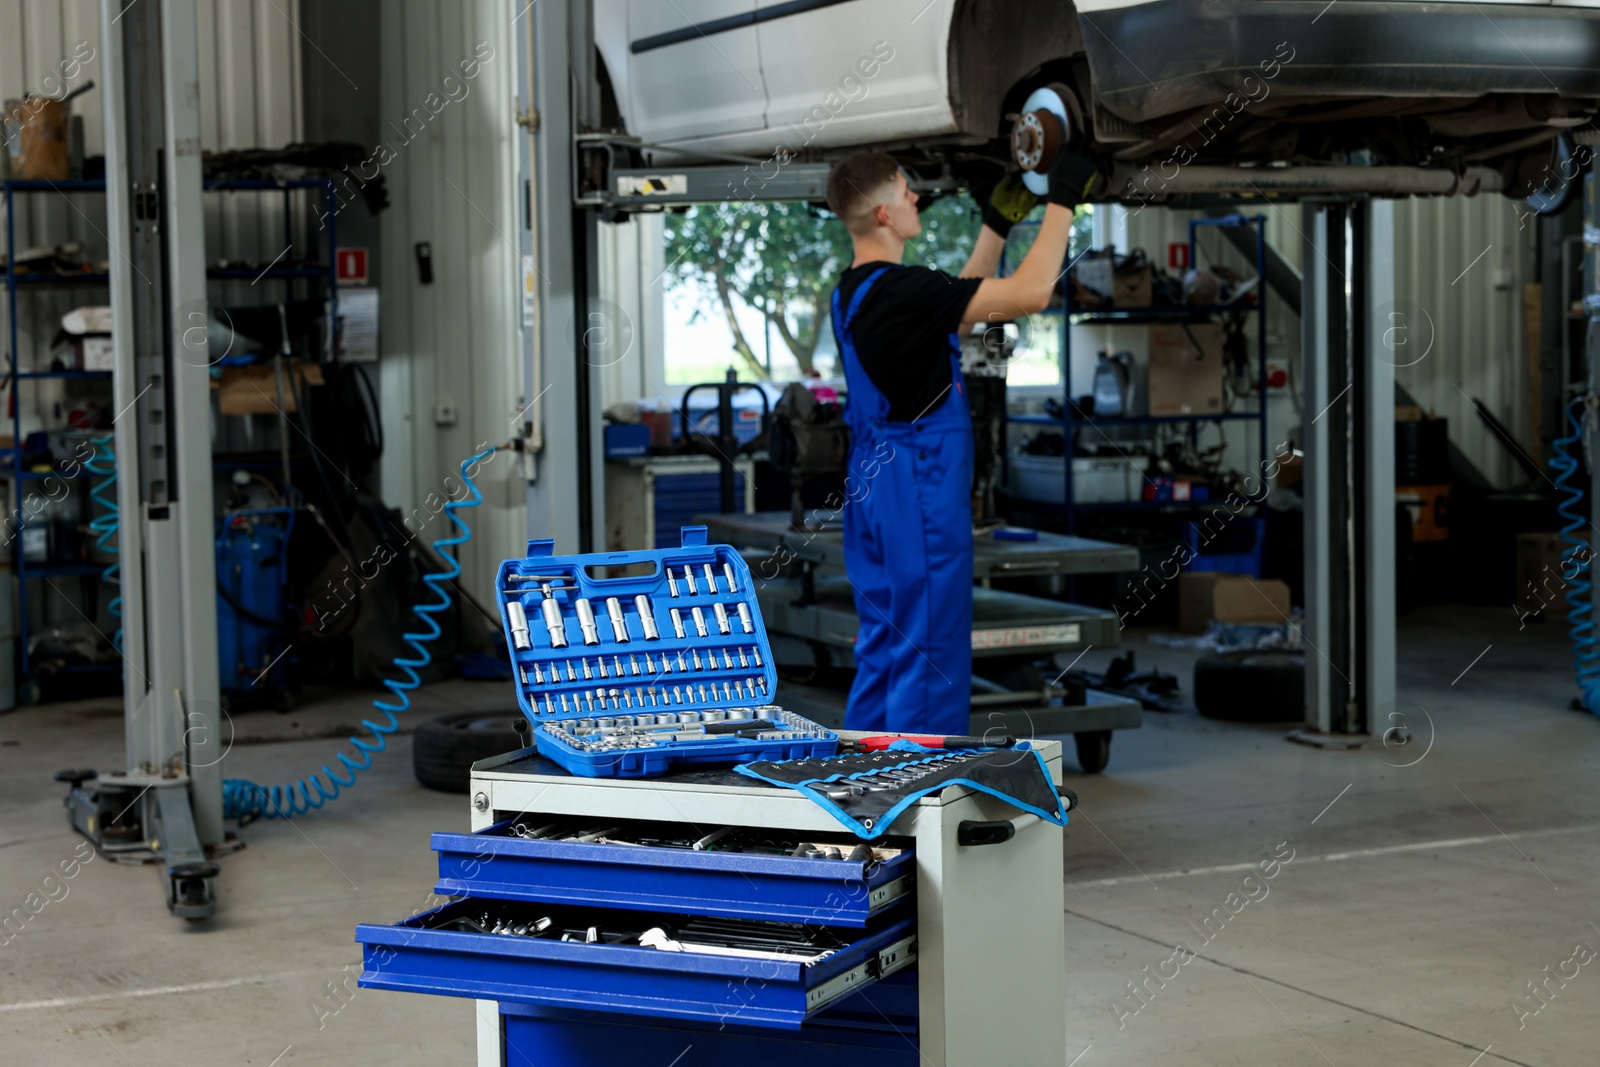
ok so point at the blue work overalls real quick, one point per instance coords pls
(908, 549)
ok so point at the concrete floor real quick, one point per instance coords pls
(1419, 901)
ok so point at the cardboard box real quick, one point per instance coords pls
(1133, 287)
(1541, 581)
(1119, 285)
(1207, 595)
(1094, 271)
(1429, 508)
(1184, 375)
(254, 390)
(94, 352)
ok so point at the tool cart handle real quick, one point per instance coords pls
(997, 831)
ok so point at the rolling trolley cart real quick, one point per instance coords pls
(661, 905)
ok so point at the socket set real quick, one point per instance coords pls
(627, 676)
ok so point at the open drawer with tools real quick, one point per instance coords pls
(733, 872)
(664, 965)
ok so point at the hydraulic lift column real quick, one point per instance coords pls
(1353, 337)
(169, 802)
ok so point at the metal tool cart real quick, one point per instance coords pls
(1010, 631)
(626, 894)
(949, 955)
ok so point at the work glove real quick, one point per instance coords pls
(1008, 203)
(1070, 177)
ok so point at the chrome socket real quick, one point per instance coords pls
(585, 610)
(677, 622)
(553, 623)
(519, 624)
(647, 617)
(744, 618)
(699, 621)
(619, 622)
(722, 615)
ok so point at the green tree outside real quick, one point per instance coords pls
(782, 260)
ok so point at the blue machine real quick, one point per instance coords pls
(682, 642)
(252, 582)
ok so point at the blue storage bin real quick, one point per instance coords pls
(683, 638)
(1246, 561)
(624, 439)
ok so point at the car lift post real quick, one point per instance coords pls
(169, 802)
(1352, 334)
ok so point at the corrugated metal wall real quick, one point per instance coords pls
(1462, 264)
(632, 284)
(250, 96)
(1472, 306)
(453, 341)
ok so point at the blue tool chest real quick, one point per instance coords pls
(608, 939)
(625, 676)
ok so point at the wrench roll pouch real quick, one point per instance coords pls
(866, 792)
(630, 663)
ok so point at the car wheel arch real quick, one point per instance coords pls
(997, 47)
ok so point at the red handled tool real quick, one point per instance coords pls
(881, 742)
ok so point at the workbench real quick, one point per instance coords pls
(987, 986)
(1009, 629)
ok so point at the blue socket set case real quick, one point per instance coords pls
(627, 676)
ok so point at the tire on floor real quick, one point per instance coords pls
(443, 750)
(1257, 686)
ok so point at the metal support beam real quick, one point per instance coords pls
(1352, 329)
(561, 241)
(161, 389)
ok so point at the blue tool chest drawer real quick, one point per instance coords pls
(628, 663)
(875, 1027)
(630, 961)
(657, 866)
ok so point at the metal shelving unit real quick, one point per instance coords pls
(15, 282)
(1069, 422)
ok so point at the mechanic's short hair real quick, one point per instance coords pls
(854, 181)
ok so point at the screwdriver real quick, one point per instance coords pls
(881, 742)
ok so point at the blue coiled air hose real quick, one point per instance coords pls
(242, 798)
(1575, 560)
(104, 463)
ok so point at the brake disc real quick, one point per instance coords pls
(1050, 119)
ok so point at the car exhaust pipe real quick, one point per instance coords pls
(1139, 184)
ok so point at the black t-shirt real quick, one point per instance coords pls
(902, 332)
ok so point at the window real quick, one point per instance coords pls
(749, 286)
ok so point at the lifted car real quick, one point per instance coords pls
(1174, 98)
